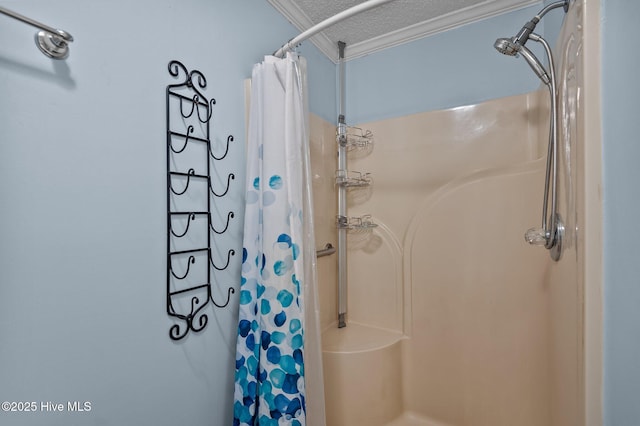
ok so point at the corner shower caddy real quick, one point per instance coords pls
(350, 140)
(191, 232)
(353, 140)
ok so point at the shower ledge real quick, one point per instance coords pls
(358, 338)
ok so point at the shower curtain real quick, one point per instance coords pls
(278, 353)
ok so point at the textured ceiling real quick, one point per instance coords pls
(393, 23)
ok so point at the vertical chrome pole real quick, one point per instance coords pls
(342, 195)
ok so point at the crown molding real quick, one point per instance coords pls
(485, 10)
(301, 21)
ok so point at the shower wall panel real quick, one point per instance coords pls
(323, 150)
(448, 267)
(458, 188)
(567, 277)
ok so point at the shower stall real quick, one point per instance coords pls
(452, 317)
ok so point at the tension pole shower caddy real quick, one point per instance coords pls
(346, 140)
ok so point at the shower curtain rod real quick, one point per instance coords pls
(51, 41)
(362, 7)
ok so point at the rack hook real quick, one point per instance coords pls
(230, 253)
(190, 173)
(229, 179)
(209, 111)
(192, 216)
(230, 215)
(190, 262)
(230, 291)
(226, 151)
(186, 140)
(194, 101)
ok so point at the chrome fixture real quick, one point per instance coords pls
(342, 191)
(328, 250)
(506, 46)
(52, 42)
(551, 232)
(345, 14)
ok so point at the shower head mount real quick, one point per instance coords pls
(521, 38)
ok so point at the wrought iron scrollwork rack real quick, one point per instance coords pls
(191, 195)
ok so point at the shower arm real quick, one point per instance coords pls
(563, 4)
(525, 32)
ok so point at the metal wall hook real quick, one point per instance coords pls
(230, 216)
(226, 151)
(230, 291)
(188, 175)
(230, 253)
(209, 111)
(186, 139)
(191, 261)
(230, 177)
(192, 217)
(194, 101)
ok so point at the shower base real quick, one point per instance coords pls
(363, 370)
(363, 367)
(412, 419)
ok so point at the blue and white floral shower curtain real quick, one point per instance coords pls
(278, 358)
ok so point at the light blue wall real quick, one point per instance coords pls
(453, 68)
(82, 206)
(621, 146)
(82, 198)
(322, 74)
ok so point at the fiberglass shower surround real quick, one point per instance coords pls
(551, 232)
(465, 342)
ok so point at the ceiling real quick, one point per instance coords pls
(393, 23)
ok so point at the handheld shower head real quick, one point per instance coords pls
(513, 46)
(509, 47)
(535, 65)
(506, 46)
(521, 38)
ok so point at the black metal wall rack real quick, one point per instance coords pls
(194, 223)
